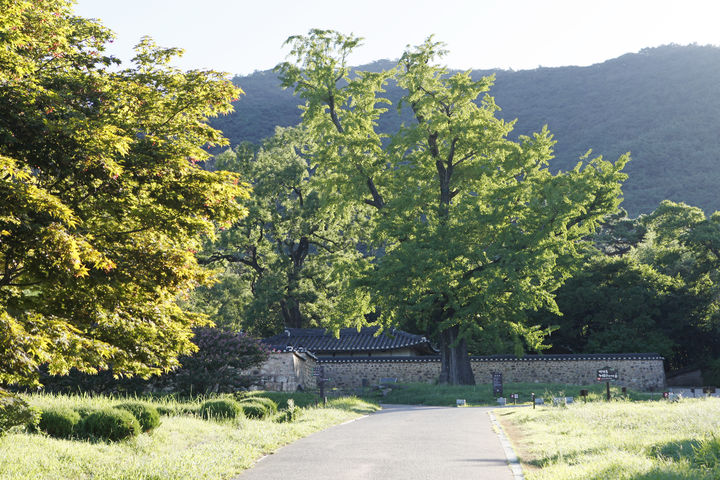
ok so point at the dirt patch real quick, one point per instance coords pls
(516, 436)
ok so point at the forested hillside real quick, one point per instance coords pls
(661, 104)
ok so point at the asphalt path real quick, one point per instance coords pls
(400, 442)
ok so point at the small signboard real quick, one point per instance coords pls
(497, 384)
(607, 374)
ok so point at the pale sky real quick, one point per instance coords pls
(245, 35)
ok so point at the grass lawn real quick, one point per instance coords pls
(618, 440)
(446, 395)
(182, 447)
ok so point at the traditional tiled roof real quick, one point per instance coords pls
(502, 358)
(320, 341)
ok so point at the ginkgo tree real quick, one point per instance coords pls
(102, 205)
(289, 262)
(472, 227)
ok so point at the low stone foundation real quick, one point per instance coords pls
(288, 371)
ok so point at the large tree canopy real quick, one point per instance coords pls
(473, 226)
(290, 261)
(101, 204)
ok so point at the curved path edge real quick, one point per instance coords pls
(512, 459)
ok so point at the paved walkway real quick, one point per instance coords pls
(397, 443)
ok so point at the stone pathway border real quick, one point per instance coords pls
(512, 459)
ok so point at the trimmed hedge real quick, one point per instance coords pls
(258, 407)
(147, 415)
(271, 406)
(110, 424)
(254, 410)
(223, 408)
(85, 411)
(59, 422)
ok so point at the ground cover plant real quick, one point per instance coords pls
(183, 446)
(482, 394)
(618, 440)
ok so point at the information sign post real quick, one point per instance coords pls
(497, 384)
(607, 375)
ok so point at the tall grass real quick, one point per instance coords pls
(182, 447)
(618, 440)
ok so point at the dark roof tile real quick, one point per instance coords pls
(320, 341)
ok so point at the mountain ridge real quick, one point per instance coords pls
(662, 104)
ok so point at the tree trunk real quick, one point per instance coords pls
(455, 366)
(292, 317)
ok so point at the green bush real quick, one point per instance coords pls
(59, 422)
(84, 411)
(224, 408)
(147, 415)
(110, 424)
(254, 410)
(15, 412)
(258, 407)
(270, 406)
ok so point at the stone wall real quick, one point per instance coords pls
(285, 372)
(288, 371)
(637, 371)
(352, 372)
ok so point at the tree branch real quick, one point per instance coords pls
(234, 258)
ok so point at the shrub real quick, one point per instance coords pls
(85, 411)
(254, 410)
(258, 407)
(147, 415)
(218, 364)
(270, 405)
(59, 422)
(224, 408)
(15, 412)
(110, 424)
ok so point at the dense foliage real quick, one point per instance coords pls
(221, 409)
(15, 412)
(472, 226)
(661, 104)
(102, 205)
(289, 262)
(653, 285)
(110, 424)
(218, 364)
(147, 415)
(59, 422)
(258, 407)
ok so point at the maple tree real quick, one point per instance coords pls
(102, 203)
